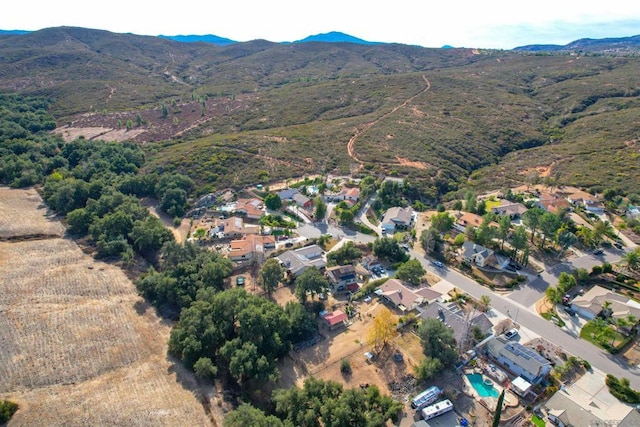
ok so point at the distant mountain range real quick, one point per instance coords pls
(620, 45)
(613, 45)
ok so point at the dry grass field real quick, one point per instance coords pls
(78, 346)
(23, 214)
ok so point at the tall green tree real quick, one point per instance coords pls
(531, 218)
(438, 341)
(271, 274)
(442, 222)
(411, 272)
(311, 282)
(504, 223)
(272, 201)
(320, 209)
(498, 413)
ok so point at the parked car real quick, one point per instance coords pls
(618, 245)
(569, 311)
(598, 252)
(566, 299)
(438, 264)
(511, 333)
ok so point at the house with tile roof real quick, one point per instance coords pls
(250, 208)
(253, 246)
(399, 295)
(397, 218)
(460, 322)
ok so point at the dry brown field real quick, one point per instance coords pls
(24, 215)
(79, 347)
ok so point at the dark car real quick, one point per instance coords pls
(598, 252)
(618, 245)
(569, 311)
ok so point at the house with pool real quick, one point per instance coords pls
(518, 359)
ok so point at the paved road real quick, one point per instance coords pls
(529, 293)
(522, 314)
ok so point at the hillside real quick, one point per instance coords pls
(260, 111)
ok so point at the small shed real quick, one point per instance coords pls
(336, 319)
(520, 386)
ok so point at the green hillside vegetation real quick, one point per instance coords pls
(259, 111)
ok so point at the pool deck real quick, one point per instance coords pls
(510, 399)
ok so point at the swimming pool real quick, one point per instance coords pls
(477, 381)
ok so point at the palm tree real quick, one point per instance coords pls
(553, 295)
(600, 325)
(632, 259)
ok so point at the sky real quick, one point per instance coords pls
(497, 24)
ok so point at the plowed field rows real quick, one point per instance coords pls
(78, 347)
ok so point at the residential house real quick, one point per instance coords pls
(253, 246)
(302, 201)
(352, 194)
(232, 228)
(341, 276)
(512, 210)
(250, 208)
(336, 320)
(474, 253)
(460, 322)
(400, 296)
(582, 404)
(590, 304)
(287, 195)
(518, 359)
(467, 219)
(552, 203)
(298, 260)
(594, 207)
(579, 198)
(397, 218)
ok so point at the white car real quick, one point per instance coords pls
(511, 333)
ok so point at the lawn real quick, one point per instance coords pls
(537, 421)
(604, 337)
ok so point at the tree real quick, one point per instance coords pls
(485, 303)
(272, 201)
(438, 341)
(428, 368)
(205, 369)
(566, 282)
(346, 254)
(247, 415)
(600, 229)
(389, 248)
(470, 201)
(442, 222)
(498, 413)
(320, 209)
(531, 218)
(311, 282)
(632, 259)
(518, 240)
(457, 205)
(504, 223)
(148, 235)
(411, 272)
(271, 275)
(173, 201)
(553, 295)
(382, 330)
(429, 239)
(7, 409)
(303, 322)
(565, 239)
(549, 224)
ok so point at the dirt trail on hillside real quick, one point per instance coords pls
(367, 126)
